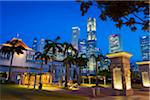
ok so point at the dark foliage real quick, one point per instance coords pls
(128, 13)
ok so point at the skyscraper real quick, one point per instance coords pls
(91, 40)
(34, 45)
(145, 47)
(41, 45)
(114, 43)
(82, 46)
(75, 36)
(91, 44)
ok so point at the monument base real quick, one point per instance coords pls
(145, 89)
(123, 92)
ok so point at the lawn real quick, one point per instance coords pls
(15, 92)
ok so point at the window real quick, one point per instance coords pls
(5, 56)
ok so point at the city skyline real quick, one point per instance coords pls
(45, 24)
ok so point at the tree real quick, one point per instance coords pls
(128, 13)
(104, 61)
(12, 47)
(52, 48)
(81, 61)
(69, 59)
(105, 74)
(44, 58)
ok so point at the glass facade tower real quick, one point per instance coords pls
(145, 47)
(75, 36)
(91, 44)
(35, 45)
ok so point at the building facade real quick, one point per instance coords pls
(145, 47)
(75, 36)
(21, 64)
(35, 44)
(28, 68)
(41, 45)
(114, 43)
(91, 44)
(82, 48)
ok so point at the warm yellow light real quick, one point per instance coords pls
(143, 62)
(87, 85)
(145, 79)
(128, 82)
(117, 79)
(119, 54)
(19, 56)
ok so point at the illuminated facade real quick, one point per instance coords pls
(82, 46)
(75, 36)
(91, 44)
(41, 45)
(114, 43)
(35, 44)
(120, 72)
(22, 64)
(27, 67)
(144, 67)
(145, 47)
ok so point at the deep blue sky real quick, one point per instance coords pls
(51, 19)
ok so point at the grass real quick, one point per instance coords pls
(15, 92)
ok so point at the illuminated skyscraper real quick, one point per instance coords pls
(82, 46)
(41, 45)
(145, 47)
(91, 44)
(114, 43)
(34, 45)
(91, 40)
(75, 36)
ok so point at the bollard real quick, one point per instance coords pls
(97, 91)
(93, 92)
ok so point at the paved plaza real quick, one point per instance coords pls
(15, 92)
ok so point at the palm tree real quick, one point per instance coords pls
(44, 58)
(103, 61)
(10, 48)
(52, 48)
(69, 59)
(81, 61)
(68, 49)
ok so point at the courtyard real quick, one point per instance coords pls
(19, 92)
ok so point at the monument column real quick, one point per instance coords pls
(120, 71)
(144, 68)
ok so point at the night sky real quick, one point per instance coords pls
(51, 19)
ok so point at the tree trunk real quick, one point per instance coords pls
(67, 75)
(104, 80)
(96, 75)
(29, 80)
(40, 82)
(79, 76)
(35, 81)
(50, 71)
(11, 61)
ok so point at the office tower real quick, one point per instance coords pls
(34, 45)
(91, 40)
(91, 44)
(145, 47)
(41, 45)
(114, 43)
(82, 46)
(75, 36)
